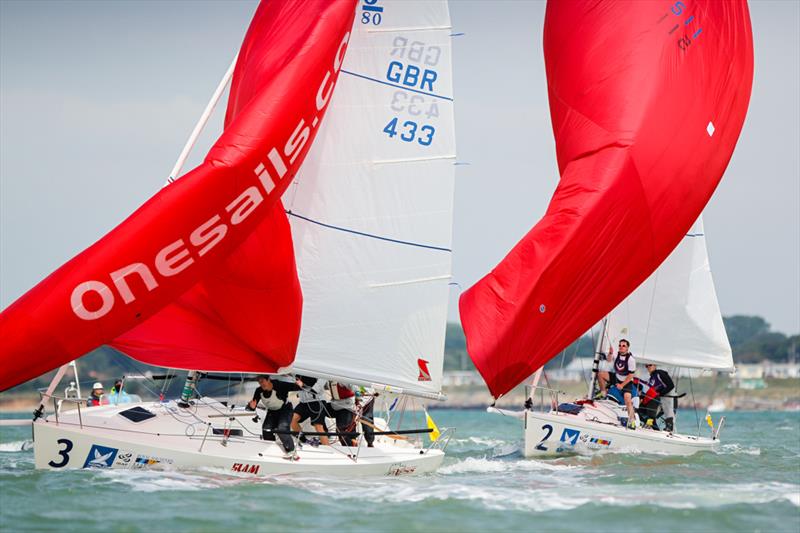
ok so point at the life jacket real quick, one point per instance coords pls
(271, 400)
(650, 394)
(621, 365)
(340, 392)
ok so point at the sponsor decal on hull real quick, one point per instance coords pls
(245, 468)
(400, 469)
(149, 461)
(569, 438)
(595, 441)
(100, 457)
(124, 459)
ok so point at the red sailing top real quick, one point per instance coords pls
(202, 275)
(647, 100)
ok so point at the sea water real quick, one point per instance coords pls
(751, 484)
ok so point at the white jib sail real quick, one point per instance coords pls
(673, 318)
(371, 209)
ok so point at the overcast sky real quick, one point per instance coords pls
(97, 99)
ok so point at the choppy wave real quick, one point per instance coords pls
(737, 449)
(167, 480)
(485, 465)
(16, 446)
(481, 441)
(752, 482)
(546, 493)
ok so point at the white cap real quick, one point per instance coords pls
(97, 385)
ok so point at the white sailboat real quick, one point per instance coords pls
(371, 215)
(672, 319)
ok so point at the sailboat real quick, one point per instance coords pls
(348, 271)
(675, 317)
(646, 106)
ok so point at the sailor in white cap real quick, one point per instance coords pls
(94, 397)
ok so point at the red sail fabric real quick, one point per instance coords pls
(199, 238)
(647, 100)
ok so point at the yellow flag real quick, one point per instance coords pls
(434, 434)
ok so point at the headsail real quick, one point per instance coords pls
(647, 101)
(371, 209)
(673, 318)
(287, 69)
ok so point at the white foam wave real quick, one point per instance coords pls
(736, 449)
(16, 446)
(499, 489)
(485, 465)
(166, 480)
(480, 441)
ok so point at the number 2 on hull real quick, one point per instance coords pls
(549, 429)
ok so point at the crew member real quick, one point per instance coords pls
(659, 385)
(94, 397)
(366, 402)
(343, 405)
(117, 394)
(273, 395)
(311, 405)
(624, 372)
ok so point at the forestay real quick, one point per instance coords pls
(371, 209)
(673, 318)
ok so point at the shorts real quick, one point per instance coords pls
(316, 411)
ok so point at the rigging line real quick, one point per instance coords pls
(370, 235)
(396, 86)
(650, 314)
(131, 366)
(695, 235)
(694, 403)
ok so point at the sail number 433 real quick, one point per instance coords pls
(410, 131)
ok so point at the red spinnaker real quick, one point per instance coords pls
(202, 275)
(647, 100)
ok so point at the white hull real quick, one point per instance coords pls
(177, 439)
(555, 433)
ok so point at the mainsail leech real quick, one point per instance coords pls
(647, 100)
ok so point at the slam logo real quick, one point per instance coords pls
(100, 457)
(424, 373)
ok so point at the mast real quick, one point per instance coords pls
(598, 353)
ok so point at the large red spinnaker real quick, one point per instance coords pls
(203, 249)
(647, 101)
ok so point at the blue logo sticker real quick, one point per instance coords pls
(570, 436)
(100, 457)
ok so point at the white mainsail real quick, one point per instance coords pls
(673, 318)
(371, 209)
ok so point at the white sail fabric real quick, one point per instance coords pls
(673, 318)
(371, 209)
